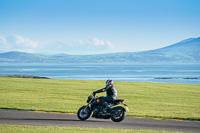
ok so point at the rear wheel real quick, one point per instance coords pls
(83, 113)
(119, 114)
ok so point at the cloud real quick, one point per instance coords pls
(18, 43)
(89, 46)
(3, 40)
(110, 45)
(3, 44)
(25, 41)
(96, 41)
(92, 42)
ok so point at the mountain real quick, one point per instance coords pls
(186, 51)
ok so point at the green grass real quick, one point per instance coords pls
(154, 100)
(53, 129)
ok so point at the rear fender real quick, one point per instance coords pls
(126, 106)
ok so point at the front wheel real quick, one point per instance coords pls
(84, 113)
(119, 114)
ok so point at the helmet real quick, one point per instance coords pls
(109, 82)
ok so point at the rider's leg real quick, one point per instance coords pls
(104, 100)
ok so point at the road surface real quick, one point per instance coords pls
(17, 117)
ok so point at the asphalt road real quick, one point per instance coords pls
(16, 117)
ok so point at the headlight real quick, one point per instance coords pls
(89, 98)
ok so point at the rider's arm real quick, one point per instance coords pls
(103, 90)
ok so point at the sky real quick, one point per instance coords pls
(82, 27)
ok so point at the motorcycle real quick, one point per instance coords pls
(116, 113)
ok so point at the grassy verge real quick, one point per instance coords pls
(157, 100)
(53, 129)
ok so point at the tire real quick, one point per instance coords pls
(83, 113)
(119, 114)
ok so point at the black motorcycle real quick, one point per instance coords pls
(116, 113)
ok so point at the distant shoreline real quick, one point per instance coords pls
(38, 77)
(173, 78)
(24, 76)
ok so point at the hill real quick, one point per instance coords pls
(186, 51)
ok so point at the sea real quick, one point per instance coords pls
(157, 73)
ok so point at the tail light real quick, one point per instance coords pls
(122, 100)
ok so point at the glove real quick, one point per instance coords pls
(94, 93)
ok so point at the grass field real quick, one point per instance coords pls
(156, 100)
(53, 129)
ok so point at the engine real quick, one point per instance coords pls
(96, 110)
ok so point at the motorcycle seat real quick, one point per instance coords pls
(116, 101)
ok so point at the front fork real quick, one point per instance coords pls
(89, 104)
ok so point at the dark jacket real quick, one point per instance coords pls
(110, 90)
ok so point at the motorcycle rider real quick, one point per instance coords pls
(111, 94)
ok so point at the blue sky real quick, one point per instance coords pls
(96, 26)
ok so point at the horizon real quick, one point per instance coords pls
(96, 27)
(182, 41)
